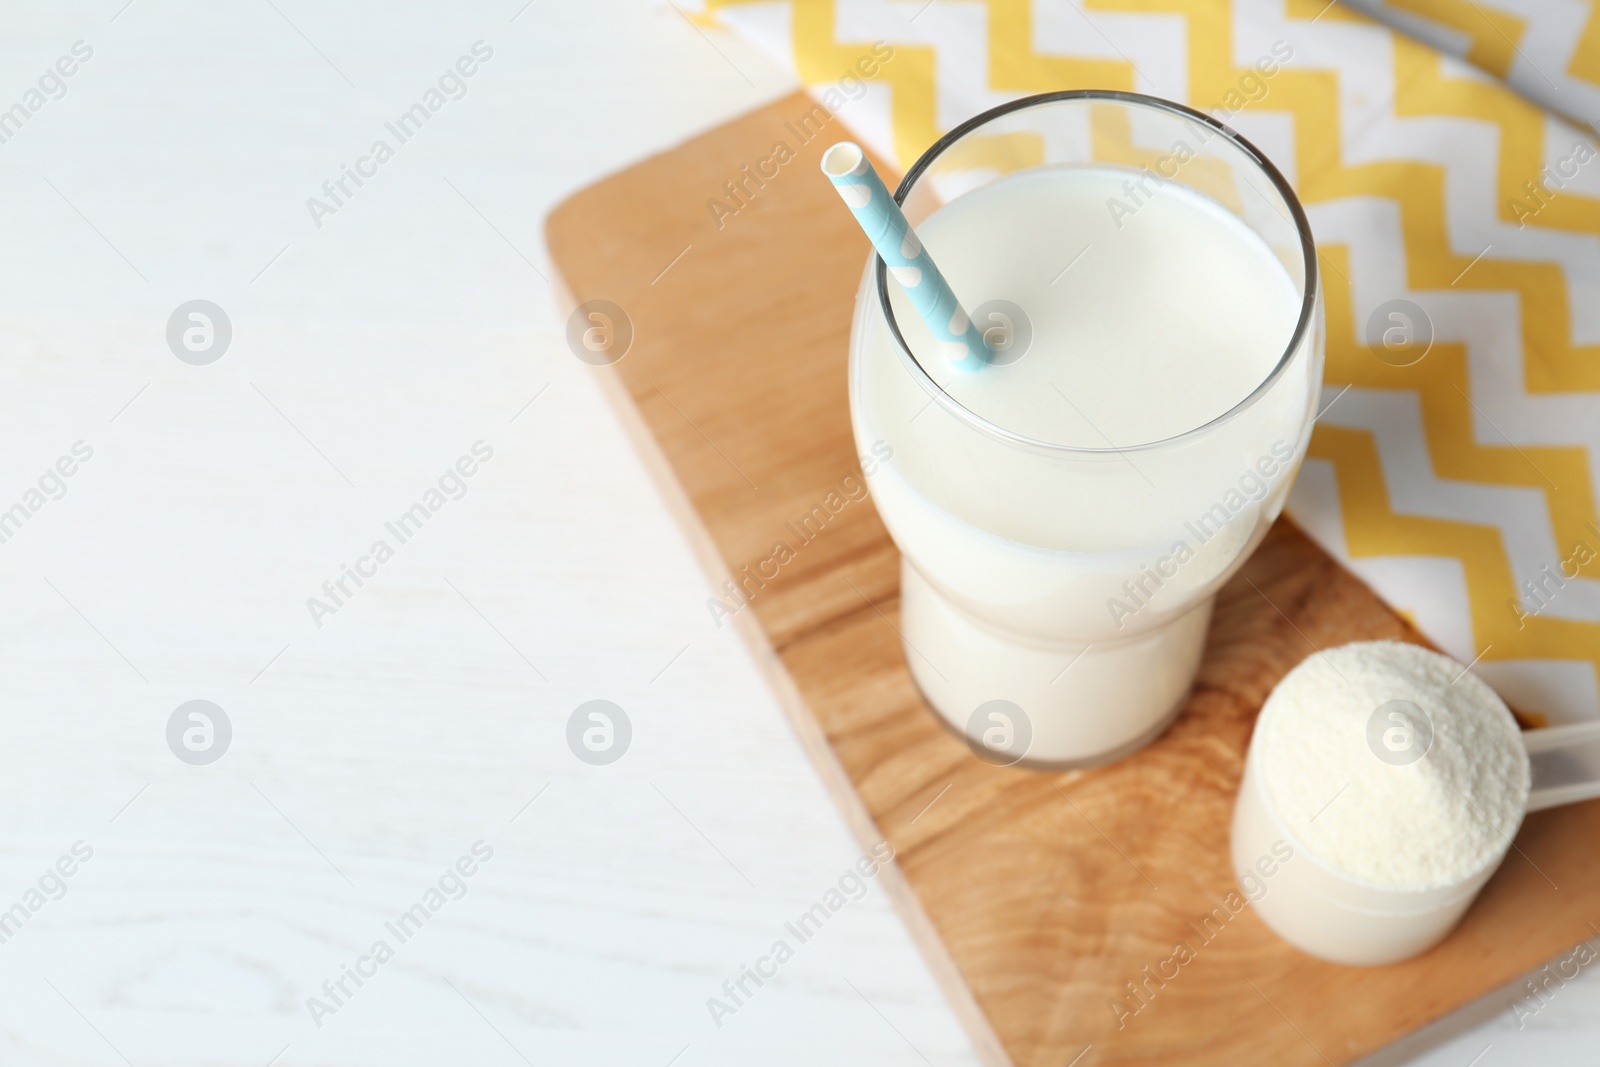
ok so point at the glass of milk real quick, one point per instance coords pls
(1147, 282)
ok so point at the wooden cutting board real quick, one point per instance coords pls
(1038, 897)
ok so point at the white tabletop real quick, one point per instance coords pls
(428, 710)
(412, 727)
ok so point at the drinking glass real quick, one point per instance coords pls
(1055, 596)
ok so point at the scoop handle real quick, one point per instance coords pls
(1566, 764)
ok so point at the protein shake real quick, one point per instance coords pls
(1065, 516)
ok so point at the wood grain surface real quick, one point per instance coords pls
(1054, 894)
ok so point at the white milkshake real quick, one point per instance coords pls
(1068, 570)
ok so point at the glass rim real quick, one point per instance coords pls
(1297, 213)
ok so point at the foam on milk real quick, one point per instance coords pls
(1164, 324)
(1144, 326)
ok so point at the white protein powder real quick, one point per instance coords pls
(1431, 822)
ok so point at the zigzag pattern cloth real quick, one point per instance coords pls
(1548, 50)
(1453, 465)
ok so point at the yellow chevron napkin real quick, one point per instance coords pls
(1460, 485)
(1548, 50)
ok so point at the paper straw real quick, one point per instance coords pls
(858, 184)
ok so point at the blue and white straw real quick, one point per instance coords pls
(858, 184)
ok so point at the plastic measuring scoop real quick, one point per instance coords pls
(1349, 920)
(1565, 762)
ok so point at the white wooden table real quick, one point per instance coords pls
(378, 741)
(429, 710)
